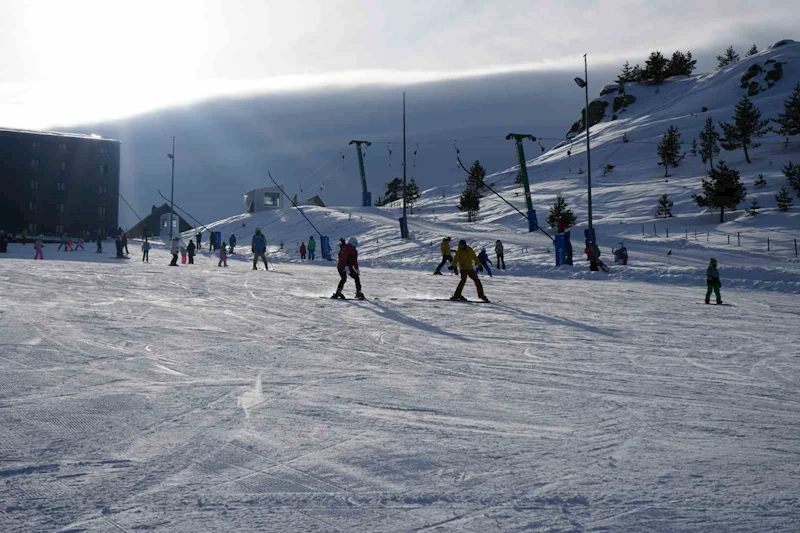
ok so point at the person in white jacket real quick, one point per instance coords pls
(174, 250)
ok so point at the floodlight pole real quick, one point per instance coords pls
(588, 148)
(365, 196)
(172, 190)
(404, 224)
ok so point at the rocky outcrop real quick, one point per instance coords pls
(759, 78)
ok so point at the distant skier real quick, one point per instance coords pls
(174, 249)
(348, 264)
(713, 282)
(232, 243)
(69, 245)
(184, 253)
(4, 240)
(99, 243)
(498, 250)
(191, 250)
(593, 253)
(223, 257)
(145, 251)
(212, 244)
(447, 256)
(485, 262)
(303, 251)
(63, 242)
(39, 246)
(199, 238)
(118, 244)
(312, 247)
(258, 245)
(465, 259)
(125, 243)
(621, 255)
(79, 244)
(24, 236)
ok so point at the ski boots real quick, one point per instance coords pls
(485, 299)
(458, 298)
(437, 273)
(360, 296)
(338, 296)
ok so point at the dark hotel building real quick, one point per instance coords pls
(51, 183)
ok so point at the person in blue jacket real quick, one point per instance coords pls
(485, 261)
(232, 243)
(259, 247)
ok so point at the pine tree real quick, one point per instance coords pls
(783, 199)
(669, 150)
(476, 176)
(722, 190)
(792, 173)
(664, 206)
(789, 120)
(681, 64)
(747, 126)
(412, 194)
(753, 51)
(470, 202)
(753, 209)
(637, 74)
(694, 148)
(626, 75)
(760, 182)
(729, 58)
(655, 68)
(559, 210)
(393, 192)
(709, 145)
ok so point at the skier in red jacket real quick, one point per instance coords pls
(348, 263)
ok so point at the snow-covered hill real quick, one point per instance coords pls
(754, 251)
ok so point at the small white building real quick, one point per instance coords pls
(263, 199)
(164, 225)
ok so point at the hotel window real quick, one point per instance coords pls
(102, 169)
(101, 210)
(59, 228)
(32, 227)
(36, 145)
(103, 189)
(103, 150)
(62, 148)
(63, 166)
(60, 208)
(33, 206)
(35, 163)
(34, 184)
(61, 186)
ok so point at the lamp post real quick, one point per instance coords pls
(172, 190)
(584, 84)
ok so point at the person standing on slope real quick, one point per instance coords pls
(465, 259)
(232, 243)
(303, 251)
(259, 247)
(63, 242)
(593, 253)
(125, 243)
(485, 262)
(498, 250)
(199, 237)
(191, 250)
(348, 264)
(223, 257)
(145, 251)
(184, 251)
(713, 282)
(174, 249)
(99, 243)
(312, 247)
(39, 246)
(447, 256)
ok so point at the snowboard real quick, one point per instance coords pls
(713, 304)
(602, 266)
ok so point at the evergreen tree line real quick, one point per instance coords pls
(394, 192)
(657, 68)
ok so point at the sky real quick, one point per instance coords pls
(84, 61)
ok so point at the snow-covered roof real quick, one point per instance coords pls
(58, 134)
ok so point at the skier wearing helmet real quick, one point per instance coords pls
(348, 263)
(258, 245)
(713, 282)
(465, 260)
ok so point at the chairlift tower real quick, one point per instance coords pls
(523, 170)
(366, 197)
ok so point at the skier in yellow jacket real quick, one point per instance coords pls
(447, 257)
(465, 260)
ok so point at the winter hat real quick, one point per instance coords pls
(353, 241)
(713, 260)
(462, 242)
(258, 231)
(483, 249)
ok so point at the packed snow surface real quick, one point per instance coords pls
(137, 397)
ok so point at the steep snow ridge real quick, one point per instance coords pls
(624, 201)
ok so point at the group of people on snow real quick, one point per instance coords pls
(310, 250)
